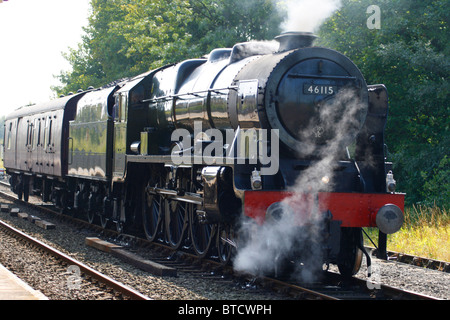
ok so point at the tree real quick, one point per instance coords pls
(98, 59)
(225, 22)
(410, 55)
(128, 37)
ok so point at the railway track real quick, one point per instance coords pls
(332, 288)
(119, 288)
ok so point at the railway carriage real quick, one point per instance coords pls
(36, 145)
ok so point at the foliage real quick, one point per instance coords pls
(437, 185)
(425, 232)
(128, 37)
(410, 55)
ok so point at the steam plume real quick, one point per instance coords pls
(308, 15)
(278, 238)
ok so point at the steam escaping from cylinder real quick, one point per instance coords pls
(308, 15)
(293, 232)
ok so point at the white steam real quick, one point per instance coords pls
(277, 239)
(307, 15)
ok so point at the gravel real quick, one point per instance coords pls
(34, 270)
(409, 277)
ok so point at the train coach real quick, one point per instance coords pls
(260, 131)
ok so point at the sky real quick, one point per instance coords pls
(33, 35)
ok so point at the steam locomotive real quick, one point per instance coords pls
(187, 152)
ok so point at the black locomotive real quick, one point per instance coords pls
(183, 152)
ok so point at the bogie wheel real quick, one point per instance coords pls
(95, 205)
(90, 212)
(26, 189)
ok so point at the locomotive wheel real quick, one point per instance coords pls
(225, 241)
(176, 222)
(152, 209)
(350, 255)
(176, 218)
(201, 234)
(351, 265)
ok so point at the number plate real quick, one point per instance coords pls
(319, 89)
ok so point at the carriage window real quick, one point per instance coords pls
(42, 134)
(50, 133)
(9, 136)
(35, 133)
(45, 134)
(39, 133)
(29, 134)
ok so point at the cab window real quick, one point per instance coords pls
(123, 108)
(120, 109)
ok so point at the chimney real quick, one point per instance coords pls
(295, 40)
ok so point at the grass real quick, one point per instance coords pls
(425, 233)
